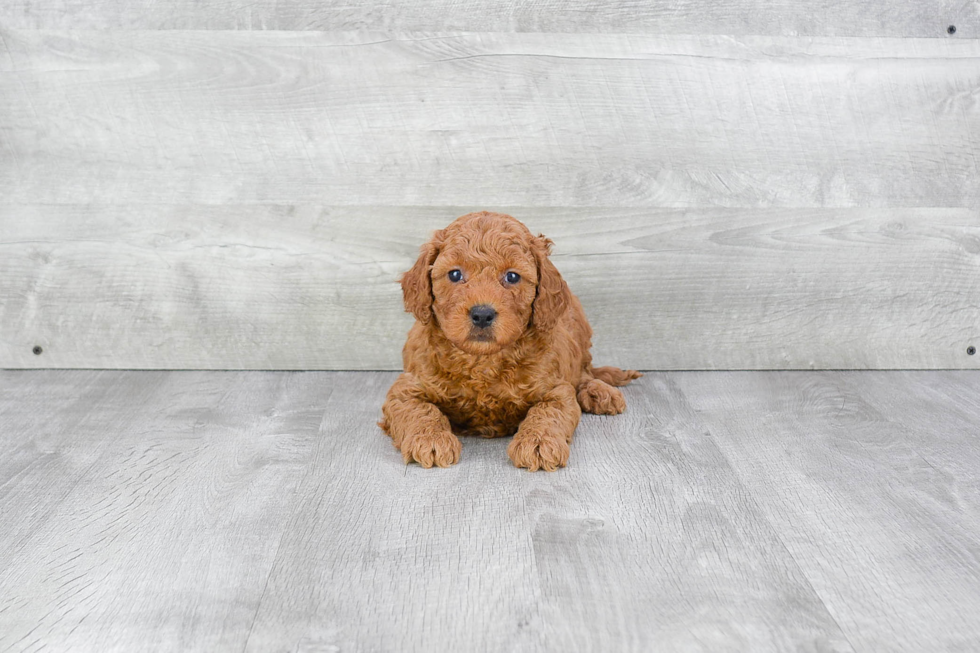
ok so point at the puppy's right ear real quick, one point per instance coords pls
(417, 282)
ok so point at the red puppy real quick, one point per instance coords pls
(500, 347)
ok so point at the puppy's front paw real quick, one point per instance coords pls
(600, 398)
(441, 449)
(538, 451)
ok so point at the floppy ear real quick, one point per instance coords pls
(553, 295)
(417, 284)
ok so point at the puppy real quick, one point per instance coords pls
(499, 347)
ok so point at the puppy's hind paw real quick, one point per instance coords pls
(441, 449)
(600, 398)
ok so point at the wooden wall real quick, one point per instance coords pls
(744, 185)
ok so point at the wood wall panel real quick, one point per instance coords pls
(311, 287)
(903, 18)
(247, 199)
(488, 119)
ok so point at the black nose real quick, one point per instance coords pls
(482, 315)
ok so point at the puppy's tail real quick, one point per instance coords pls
(614, 375)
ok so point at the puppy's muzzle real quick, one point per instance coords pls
(482, 316)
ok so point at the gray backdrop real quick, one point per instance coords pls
(741, 185)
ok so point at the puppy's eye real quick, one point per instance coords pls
(512, 277)
(455, 276)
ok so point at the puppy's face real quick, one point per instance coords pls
(483, 286)
(486, 280)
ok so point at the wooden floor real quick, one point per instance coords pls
(265, 511)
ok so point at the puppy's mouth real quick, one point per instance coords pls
(481, 335)
(480, 342)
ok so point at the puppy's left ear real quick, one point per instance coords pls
(553, 296)
(417, 282)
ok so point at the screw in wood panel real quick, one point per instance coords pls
(37, 350)
(951, 30)
(971, 350)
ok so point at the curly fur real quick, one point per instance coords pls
(530, 375)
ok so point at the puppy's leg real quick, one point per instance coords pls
(417, 427)
(599, 398)
(542, 440)
(614, 375)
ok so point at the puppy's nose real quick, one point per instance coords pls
(482, 315)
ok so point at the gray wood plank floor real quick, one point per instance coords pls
(265, 511)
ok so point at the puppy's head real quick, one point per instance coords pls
(485, 280)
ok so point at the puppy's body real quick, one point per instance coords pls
(490, 394)
(528, 374)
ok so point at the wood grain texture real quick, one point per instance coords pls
(495, 119)
(166, 538)
(314, 287)
(927, 18)
(53, 426)
(650, 540)
(379, 556)
(604, 556)
(870, 480)
(265, 511)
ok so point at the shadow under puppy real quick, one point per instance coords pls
(500, 347)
